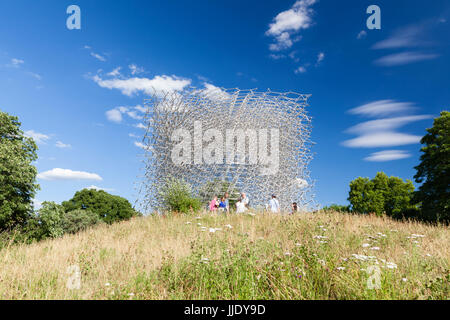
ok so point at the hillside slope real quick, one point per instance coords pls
(307, 256)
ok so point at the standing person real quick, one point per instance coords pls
(213, 204)
(227, 202)
(245, 200)
(294, 208)
(240, 206)
(274, 205)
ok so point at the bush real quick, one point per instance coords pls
(177, 197)
(49, 220)
(109, 208)
(336, 208)
(78, 220)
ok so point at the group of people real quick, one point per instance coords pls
(242, 205)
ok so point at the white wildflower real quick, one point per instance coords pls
(365, 245)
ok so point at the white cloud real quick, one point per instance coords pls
(140, 126)
(361, 35)
(406, 37)
(398, 59)
(114, 115)
(277, 56)
(382, 139)
(115, 72)
(67, 174)
(98, 57)
(149, 86)
(92, 187)
(141, 108)
(300, 70)
(382, 108)
(385, 124)
(290, 22)
(16, 62)
(388, 155)
(35, 75)
(132, 135)
(36, 136)
(135, 69)
(61, 145)
(320, 57)
(142, 146)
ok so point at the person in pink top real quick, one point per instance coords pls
(213, 204)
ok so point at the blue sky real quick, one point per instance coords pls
(78, 92)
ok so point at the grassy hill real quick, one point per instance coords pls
(307, 256)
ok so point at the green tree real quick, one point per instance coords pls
(17, 174)
(364, 198)
(108, 207)
(382, 195)
(177, 196)
(433, 171)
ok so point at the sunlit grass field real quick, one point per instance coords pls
(249, 256)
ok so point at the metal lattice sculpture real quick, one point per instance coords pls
(183, 141)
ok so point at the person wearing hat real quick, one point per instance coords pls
(274, 205)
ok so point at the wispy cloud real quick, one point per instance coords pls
(382, 132)
(382, 139)
(398, 59)
(407, 37)
(115, 72)
(135, 69)
(67, 174)
(115, 115)
(134, 85)
(300, 69)
(62, 145)
(382, 108)
(388, 155)
(98, 57)
(386, 124)
(288, 24)
(320, 58)
(361, 35)
(16, 62)
(92, 187)
(39, 138)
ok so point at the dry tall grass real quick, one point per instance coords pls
(307, 256)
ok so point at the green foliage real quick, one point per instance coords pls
(50, 218)
(382, 195)
(336, 208)
(109, 208)
(177, 197)
(433, 171)
(78, 220)
(17, 175)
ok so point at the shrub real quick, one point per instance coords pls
(109, 208)
(49, 220)
(78, 220)
(336, 208)
(177, 197)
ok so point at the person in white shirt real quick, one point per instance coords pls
(240, 206)
(274, 205)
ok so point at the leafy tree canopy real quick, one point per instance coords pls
(109, 208)
(17, 174)
(434, 171)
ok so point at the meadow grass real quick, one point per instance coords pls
(324, 255)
